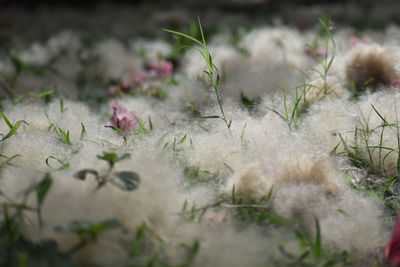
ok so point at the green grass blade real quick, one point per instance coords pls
(13, 130)
(185, 35)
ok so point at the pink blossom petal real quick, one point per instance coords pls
(140, 77)
(319, 52)
(354, 40)
(163, 68)
(392, 250)
(367, 40)
(113, 90)
(121, 118)
(395, 83)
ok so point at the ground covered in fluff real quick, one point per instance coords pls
(126, 153)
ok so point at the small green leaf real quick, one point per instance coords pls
(210, 117)
(83, 131)
(184, 35)
(13, 130)
(81, 175)
(136, 247)
(182, 139)
(111, 158)
(116, 129)
(127, 180)
(86, 231)
(38, 96)
(247, 102)
(43, 188)
(8, 122)
(124, 156)
(316, 248)
(65, 136)
(61, 167)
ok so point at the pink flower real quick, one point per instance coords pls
(139, 77)
(354, 40)
(121, 118)
(319, 52)
(161, 68)
(395, 83)
(392, 250)
(113, 90)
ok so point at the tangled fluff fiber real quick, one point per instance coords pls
(186, 161)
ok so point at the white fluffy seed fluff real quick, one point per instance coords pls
(262, 153)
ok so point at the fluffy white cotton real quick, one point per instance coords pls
(152, 50)
(116, 59)
(291, 153)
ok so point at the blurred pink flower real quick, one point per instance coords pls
(121, 118)
(139, 77)
(354, 40)
(162, 68)
(113, 90)
(319, 52)
(395, 83)
(392, 250)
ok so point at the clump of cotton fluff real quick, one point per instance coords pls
(157, 201)
(371, 65)
(117, 60)
(162, 115)
(188, 94)
(267, 173)
(42, 53)
(305, 184)
(66, 40)
(304, 180)
(35, 54)
(349, 221)
(275, 57)
(152, 49)
(221, 247)
(227, 59)
(54, 64)
(391, 35)
(375, 109)
(271, 62)
(215, 148)
(320, 87)
(32, 142)
(39, 137)
(334, 124)
(328, 121)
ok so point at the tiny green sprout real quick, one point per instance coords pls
(247, 102)
(83, 131)
(316, 245)
(8, 159)
(125, 180)
(62, 165)
(64, 135)
(115, 128)
(41, 189)
(150, 123)
(86, 231)
(191, 253)
(113, 158)
(13, 127)
(62, 108)
(212, 71)
(41, 95)
(136, 247)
